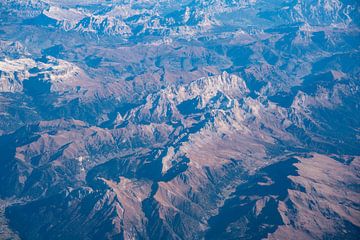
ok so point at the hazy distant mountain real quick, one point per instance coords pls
(179, 119)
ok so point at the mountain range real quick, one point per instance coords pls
(191, 119)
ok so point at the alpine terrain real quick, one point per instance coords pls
(179, 119)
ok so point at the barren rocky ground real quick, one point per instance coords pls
(234, 119)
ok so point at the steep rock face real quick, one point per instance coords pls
(177, 119)
(52, 152)
(111, 26)
(14, 49)
(41, 76)
(317, 13)
(78, 19)
(218, 117)
(193, 17)
(203, 150)
(324, 12)
(13, 72)
(195, 97)
(317, 112)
